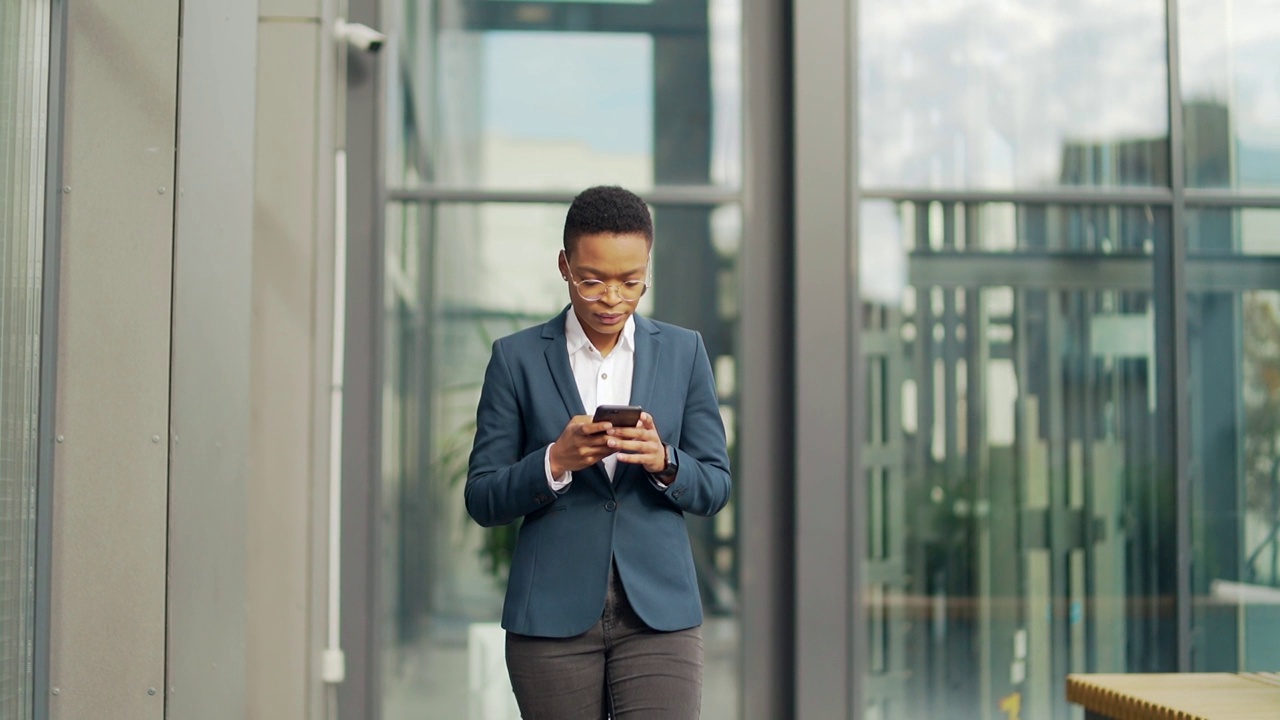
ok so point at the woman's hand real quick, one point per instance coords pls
(581, 444)
(639, 445)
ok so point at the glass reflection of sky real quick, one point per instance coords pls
(1231, 57)
(598, 89)
(989, 93)
(593, 88)
(546, 109)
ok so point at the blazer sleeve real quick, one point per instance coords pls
(703, 483)
(501, 485)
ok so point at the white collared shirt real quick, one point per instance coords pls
(601, 380)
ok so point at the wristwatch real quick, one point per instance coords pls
(668, 472)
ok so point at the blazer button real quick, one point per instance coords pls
(611, 506)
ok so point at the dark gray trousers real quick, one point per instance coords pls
(620, 668)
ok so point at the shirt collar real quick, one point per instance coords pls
(576, 338)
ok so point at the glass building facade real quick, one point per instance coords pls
(1067, 247)
(991, 289)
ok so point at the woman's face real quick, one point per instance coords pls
(612, 259)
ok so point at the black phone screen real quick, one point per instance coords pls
(619, 415)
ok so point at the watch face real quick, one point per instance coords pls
(672, 462)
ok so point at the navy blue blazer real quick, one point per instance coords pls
(560, 570)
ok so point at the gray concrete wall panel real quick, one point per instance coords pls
(289, 8)
(209, 457)
(112, 407)
(284, 363)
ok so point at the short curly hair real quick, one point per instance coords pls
(606, 209)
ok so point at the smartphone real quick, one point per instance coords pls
(619, 415)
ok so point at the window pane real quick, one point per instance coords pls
(1231, 89)
(988, 94)
(24, 56)
(1233, 232)
(1014, 497)
(563, 96)
(1233, 336)
(1235, 409)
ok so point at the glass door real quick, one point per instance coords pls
(499, 113)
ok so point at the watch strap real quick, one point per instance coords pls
(672, 466)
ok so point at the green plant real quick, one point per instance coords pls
(449, 466)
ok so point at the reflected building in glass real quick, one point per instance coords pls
(1068, 388)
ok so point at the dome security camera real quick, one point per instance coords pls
(359, 36)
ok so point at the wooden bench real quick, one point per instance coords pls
(1177, 696)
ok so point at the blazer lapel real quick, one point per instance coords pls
(558, 363)
(645, 371)
(644, 374)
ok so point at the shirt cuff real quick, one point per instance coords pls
(557, 484)
(661, 488)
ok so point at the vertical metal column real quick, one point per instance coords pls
(830, 508)
(1173, 429)
(977, 356)
(764, 476)
(360, 696)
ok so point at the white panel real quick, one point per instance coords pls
(112, 405)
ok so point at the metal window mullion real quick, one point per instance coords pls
(1228, 198)
(50, 292)
(679, 195)
(856, 511)
(1172, 372)
(1058, 441)
(1096, 196)
(1052, 196)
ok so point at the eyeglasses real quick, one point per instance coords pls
(593, 290)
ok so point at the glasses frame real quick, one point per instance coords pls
(608, 287)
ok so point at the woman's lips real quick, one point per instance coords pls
(610, 319)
